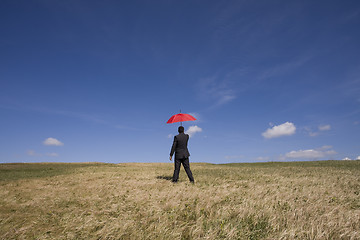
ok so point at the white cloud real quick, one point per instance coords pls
(310, 153)
(170, 135)
(322, 152)
(285, 129)
(52, 154)
(192, 130)
(358, 158)
(324, 127)
(52, 142)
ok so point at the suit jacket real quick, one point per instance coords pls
(180, 146)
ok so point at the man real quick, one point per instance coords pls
(182, 154)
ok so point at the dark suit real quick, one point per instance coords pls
(182, 154)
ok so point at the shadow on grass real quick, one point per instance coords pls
(169, 178)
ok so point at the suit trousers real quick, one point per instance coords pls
(186, 164)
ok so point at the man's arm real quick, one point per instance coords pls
(173, 148)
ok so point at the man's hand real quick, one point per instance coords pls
(170, 158)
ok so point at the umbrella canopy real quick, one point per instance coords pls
(181, 117)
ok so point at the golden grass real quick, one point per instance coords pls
(309, 200)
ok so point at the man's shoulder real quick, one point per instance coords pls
(180, 135)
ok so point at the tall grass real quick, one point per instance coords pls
(302, 200)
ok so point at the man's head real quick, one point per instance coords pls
(181, 129)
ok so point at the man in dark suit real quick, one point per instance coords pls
(182, 154)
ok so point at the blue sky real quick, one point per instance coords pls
(84, 81)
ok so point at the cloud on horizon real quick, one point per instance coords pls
(310, 154)
(52, 142)
(346, 158)
(285, 129)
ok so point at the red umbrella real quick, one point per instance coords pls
(181, 117)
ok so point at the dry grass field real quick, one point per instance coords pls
(299, 200)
